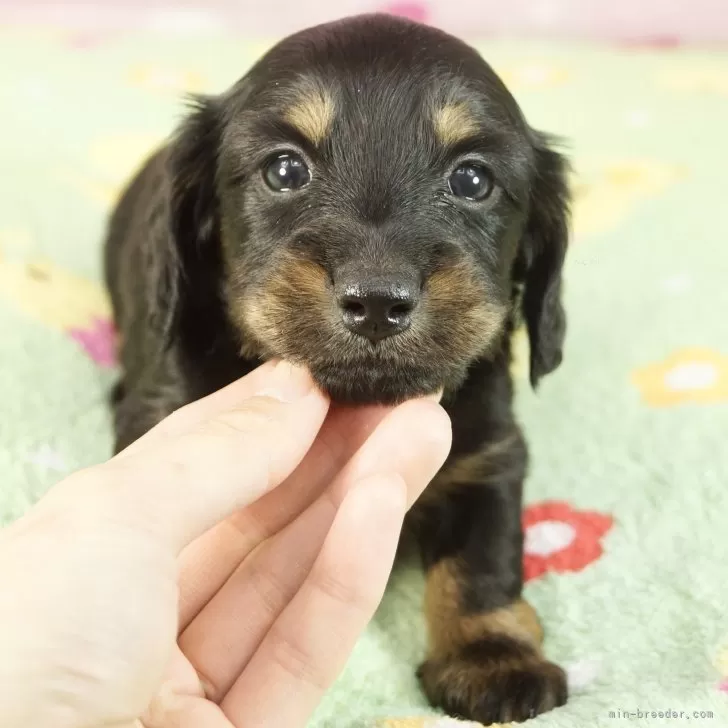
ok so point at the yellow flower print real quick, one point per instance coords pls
(54, 296)
(119, 155)
(534, 75)
(166, 80)
(702, 80)
(15, 238)
(721, 664)
(604, 195)
(114, 159)
(690, 375)
(257, 49)
(721, 661)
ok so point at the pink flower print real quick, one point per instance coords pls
(98, 341)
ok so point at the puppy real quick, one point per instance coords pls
(368, 201)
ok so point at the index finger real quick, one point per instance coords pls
(194, 413)
(184, 484)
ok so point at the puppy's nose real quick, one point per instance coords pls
(377, 310)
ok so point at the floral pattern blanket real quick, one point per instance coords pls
(625, 521)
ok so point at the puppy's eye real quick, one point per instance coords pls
(287, 172)
(471, 181)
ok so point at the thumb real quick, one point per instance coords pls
(182, 485)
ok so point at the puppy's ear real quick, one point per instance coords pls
(192, 218)
(541, 258)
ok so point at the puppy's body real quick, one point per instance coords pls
(367, 201)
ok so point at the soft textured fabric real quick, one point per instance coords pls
(626, 539)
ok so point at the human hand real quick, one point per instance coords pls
(217, 572)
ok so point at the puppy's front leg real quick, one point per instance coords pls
(484, 658)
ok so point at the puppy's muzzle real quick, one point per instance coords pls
(376, 308)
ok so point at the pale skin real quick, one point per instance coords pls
(218, 572)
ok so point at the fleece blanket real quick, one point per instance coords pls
(626, 541)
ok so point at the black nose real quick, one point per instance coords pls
(379, 309)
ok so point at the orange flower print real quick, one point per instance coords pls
(559, 538)
(689, 375)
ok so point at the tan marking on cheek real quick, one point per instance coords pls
(298, 282)
(454, 286)
(313, 114)
(281, 309)
(454, 123)
(459, 305)
(450, 629)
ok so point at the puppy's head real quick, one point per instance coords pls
(379, 205)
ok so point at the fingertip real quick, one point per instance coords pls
(432, 422)
(288, 382)
(429, 436)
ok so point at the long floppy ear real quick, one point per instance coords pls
(182, 263)
(541, 258)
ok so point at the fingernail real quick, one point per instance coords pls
(287, 383)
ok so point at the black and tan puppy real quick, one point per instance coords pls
(370, 202)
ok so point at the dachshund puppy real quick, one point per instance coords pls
(368, 201)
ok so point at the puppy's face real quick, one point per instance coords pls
(373, 186)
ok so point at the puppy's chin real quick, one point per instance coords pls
(376, 385)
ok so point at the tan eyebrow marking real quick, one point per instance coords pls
(313, 113)
(454, 123)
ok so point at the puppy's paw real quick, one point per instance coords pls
(494, 681)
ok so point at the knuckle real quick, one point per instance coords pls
(248, 420)
(348, 592)
(268, 588)
(297, 662)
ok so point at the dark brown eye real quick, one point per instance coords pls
(287, 172)
(471, 181)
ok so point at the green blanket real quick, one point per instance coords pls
(627, 544)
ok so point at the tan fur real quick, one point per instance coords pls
(313, 113)
(449, 628)
(295, 284)
(453, 285)
(458, 299)
(512, 683)
(454, 123)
